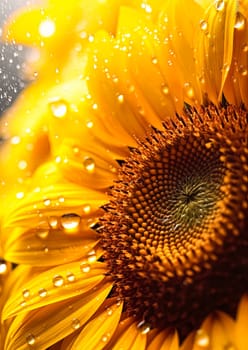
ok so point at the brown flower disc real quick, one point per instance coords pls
(175, 230)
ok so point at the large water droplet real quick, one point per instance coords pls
(92, 256)
(75, 323)
(26, 293)
(120, 98)
(219, 5)
(203, 25)
(144, 327)
(42, 292)
(70, 277)
(3, 267)
(30, 339)
(59, 108)
(58, 281)
(53, 222)
(240, 21)
(89, 164)
(42, 234)
(85, 267)
(202, 338)
(70, 222)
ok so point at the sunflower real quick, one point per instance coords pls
(124, 178)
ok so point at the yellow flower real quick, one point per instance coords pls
(124, 178)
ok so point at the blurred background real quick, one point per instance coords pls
(12, 58)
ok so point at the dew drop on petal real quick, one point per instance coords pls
(243, 71)
(120, 98)
(30, 339)
(75, 323)
(53, 222)
(58, 281)
(240, 21)
(15, 140)
(189, 91)
(85, 267)
(165, 89)
(144, 327)
(47, 28)
(105, 337)
(42, 292)
(219, 5)
(70, 222)
(42, 234)
(47, 202)
(154, 60)
(89, 164)
(203, 25)
(70, 277)
(92, 256)
(3, 267)
(22, 165)
(89, 124)
(26, 293)
(58, 108)
(86, 209)
(20, 195)
(245, 47)
(202, 338)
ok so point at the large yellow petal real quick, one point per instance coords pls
(47, 325)
(97, 333)
(132, 339)
(214, 47)
(241, 339)
(54, 285)
(166, 340)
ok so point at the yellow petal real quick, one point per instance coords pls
(216, 332)
(131, 339)
(166, 340)
(47, 325)
(214, 45)
(54, 285)
(97, 333)
(237, 81)
(241, 340)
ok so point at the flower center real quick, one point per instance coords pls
(177, 218)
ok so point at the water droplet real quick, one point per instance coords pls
(120, 98)
(47, 202)
(89, 164)
(26, 293)
(75, 323)
(3, 267)
(165, 89)
(42, 292)
(58, 108)
(47, 28)
(30, 339)
(92, 256)
(53, 222)
(201, 338)
(95, 106)
(203, 25)
(245, 47)
(20, 195)
(86, 209)
(70, 277)
(240, 21)
(105, 337)
(22, 165)
(70, 222)
(219, 5)
(243, 71)
(42, 234)
(154, 60)
(90, 124)
(189, 90)
(58, 281)
(15, 140)
(85, 267)
(144, 327)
